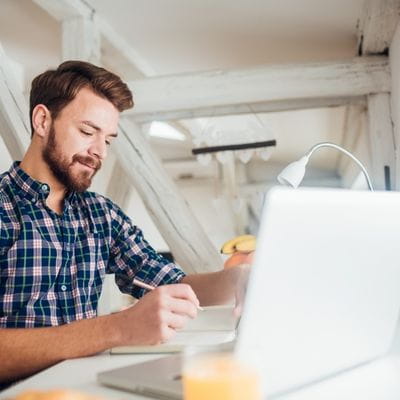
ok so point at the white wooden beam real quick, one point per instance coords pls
(377, 27)
(191, 247)
(14, 112)
(380, 18)
(278, 83)
(381, 139)
(64, 10)
(119, 186)
(80, 40)
(119, 43)
(236, 109)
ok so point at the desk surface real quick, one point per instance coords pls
(378, 380)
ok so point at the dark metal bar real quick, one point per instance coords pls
(230, 147)
(388, 185)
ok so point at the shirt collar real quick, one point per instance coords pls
(32, 189)
(27, 186)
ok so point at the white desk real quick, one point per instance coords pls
(379, 380)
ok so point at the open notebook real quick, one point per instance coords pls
(213, 325)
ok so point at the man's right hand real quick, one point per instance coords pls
(155, 318)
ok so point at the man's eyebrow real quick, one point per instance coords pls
(92, 125)
(98, 129)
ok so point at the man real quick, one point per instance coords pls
(58, 240)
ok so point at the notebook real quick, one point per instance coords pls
(323, 295)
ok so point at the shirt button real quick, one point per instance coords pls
(34, 200)
(63, 288)
(45, 188)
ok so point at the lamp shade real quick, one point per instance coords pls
(294, 173)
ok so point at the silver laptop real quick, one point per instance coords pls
(323, 295)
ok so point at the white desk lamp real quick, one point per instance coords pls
(293, 174)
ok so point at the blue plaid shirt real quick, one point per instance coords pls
(52, 266)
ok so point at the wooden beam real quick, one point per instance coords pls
(14, 112)
(119, 186)
(377, 27)
(119, 43)
(80, 40)
(381, 139)
(191, 247)
(380, 18)
(236, 109)
(65, 10)
(271, 84)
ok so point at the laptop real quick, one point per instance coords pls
(323, 295)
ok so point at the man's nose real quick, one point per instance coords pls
(99, 149)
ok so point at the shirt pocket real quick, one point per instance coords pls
(89, 265)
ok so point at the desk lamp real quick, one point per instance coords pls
(293, 174)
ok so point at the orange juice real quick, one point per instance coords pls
(220, 377)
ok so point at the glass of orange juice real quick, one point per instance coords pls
(218, 376)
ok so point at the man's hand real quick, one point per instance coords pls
(156, 316)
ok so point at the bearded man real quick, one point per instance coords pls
(58, 240)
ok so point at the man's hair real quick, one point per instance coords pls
(56, 88)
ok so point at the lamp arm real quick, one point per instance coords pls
(337, 147)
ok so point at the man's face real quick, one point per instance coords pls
(78, 139)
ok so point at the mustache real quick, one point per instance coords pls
(89, 161)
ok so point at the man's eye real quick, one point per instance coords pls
(108, 142)
(87, 133)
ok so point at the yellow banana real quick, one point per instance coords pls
(246, 246)
(231, 246)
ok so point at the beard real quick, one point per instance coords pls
(62, 168)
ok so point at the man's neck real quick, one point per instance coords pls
(38, 170)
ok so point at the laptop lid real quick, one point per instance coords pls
(323, 294)
(324, 291)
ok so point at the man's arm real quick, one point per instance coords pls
(220, 287)
(154, 319)
(26, 351)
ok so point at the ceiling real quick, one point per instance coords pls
(177, 36)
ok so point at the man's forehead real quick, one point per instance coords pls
(93, 110)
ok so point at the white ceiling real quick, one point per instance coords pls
(175, 36)
(179, 35)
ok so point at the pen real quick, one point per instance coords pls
(146, 286)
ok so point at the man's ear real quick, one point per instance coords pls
(41, 120)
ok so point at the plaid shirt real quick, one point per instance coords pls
(52, 266)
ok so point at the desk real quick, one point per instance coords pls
(379, 380)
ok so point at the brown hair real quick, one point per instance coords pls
(56, 88)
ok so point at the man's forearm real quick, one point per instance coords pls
(214, 287)
(26, 351)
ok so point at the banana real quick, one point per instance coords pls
(248, 243)
(246, 246)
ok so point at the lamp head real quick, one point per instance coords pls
(294, 173)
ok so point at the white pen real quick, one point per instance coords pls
(146, 286)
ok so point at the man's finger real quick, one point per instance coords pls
(176, 321)
(182, 291)
(182, 307)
